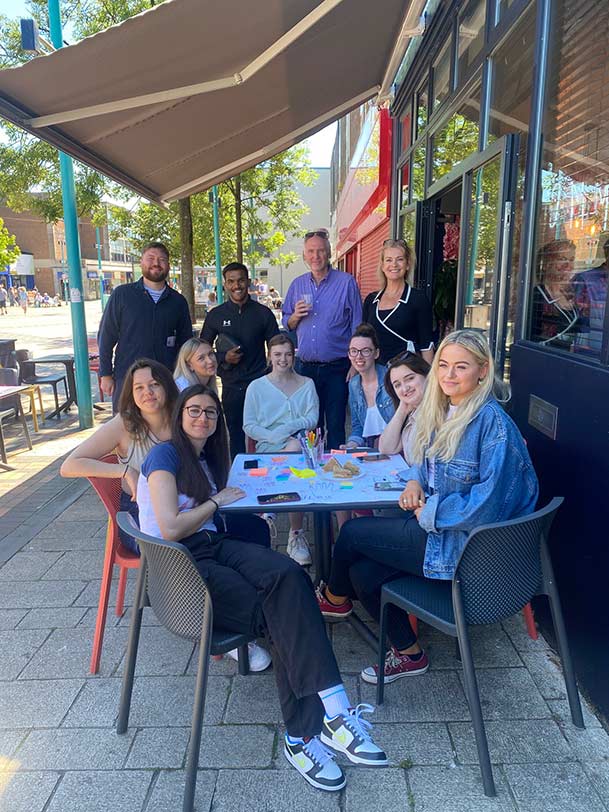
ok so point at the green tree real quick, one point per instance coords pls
(9, 250)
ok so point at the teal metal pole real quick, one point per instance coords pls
(77, 305)
(216, 210)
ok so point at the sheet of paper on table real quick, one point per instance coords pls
(318, 490)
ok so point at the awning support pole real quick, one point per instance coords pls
(77, 305)
(216, 209)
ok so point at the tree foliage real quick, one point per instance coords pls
(9, 251)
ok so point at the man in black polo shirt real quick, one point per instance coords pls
(240, 327)
(143, 319)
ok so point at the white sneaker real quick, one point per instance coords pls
(270, 519)
(259, 657)
(298, 548)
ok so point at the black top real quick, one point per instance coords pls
(407, 327)
(250, 326)
(139, 328)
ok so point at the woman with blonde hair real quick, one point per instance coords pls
(196, 363)
(471, 467)
(400, 314)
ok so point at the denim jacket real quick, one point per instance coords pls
(490, 479)
(358, 405)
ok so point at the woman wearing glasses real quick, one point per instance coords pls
(471, 467)
(400, 314)
(254, 590)
(278, 406)
(370, 406)
(196, 363)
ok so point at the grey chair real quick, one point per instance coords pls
(502, 567)
(11, 408)
(169, 582)
(28, 375)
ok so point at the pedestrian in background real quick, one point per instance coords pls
(143, 319)
(240, 329)
(22, 293)
(324, 308)
(3, 298)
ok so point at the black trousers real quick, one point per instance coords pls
(233, 399)
(370, 552)
(333, 392)
(263, 593)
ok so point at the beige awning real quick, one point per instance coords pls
(193, 91)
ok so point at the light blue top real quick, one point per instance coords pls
(358, 405)
(490, 479)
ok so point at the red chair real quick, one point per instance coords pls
(94, 363)
(109, 491)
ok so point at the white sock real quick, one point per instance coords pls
(335, 700)
(293, 739)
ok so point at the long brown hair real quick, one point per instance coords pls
(132, 417)
(414, 362)
(191, 479)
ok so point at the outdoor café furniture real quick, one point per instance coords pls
(27, 366)
(502, 567)
(10, 406)
(10, 377)
(116, 555)
(170, 583)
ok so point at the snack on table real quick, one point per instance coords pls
(338, 471)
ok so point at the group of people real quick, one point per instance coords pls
(466, 462)
(14, 296)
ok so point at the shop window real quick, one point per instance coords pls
(404, 184)
(570, 285)
(441, 76)
(408, 228)
(422, 110)
(418, 173)
(458, 138)
(501, 7)
(471, 35)
(406, 130)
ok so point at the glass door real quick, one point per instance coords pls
(485, 244)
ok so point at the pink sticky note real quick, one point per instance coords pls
(278, 459)
(259, 471)
(359, 454)
(338, 451)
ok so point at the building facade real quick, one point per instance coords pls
(500, 180)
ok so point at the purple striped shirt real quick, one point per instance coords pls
(325, 333)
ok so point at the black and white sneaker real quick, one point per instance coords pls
(315, 763)
(349, 734)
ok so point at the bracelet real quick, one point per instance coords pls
(215, 503)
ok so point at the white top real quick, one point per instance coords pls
(374, 425)
(270, 417)
(183, 383)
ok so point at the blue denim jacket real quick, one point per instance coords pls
(358, 405)
(490, 479)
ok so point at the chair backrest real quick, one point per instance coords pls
(108, 490)
(500, 567)
(176, 590)
(9, 377)
(25, 369)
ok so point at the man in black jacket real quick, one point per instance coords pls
(240, 327)
(143, 319)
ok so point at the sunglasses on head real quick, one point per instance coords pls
(321, 232)
(401, 358)
(394, 242)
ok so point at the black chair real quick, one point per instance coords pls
(502, 567)
(11, 407)
(27, 372)
(169, 582)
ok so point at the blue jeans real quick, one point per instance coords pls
(370, 552)
(333, 393)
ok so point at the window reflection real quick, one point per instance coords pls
(471, 35)
(422, 110)
(418, 173)
(441, 76)
(458, 138)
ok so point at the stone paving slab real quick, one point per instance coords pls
(269, 791)
(379, 790)
(36, 703)
(10, 618)
(509, 693)
(456, 789)
(168, 791)
(26, 792)
(119, 791)
(39, 594)
(513, 742)
(63, 618)
(598, 775)
(167, 701)
(74, 749)
(161, 747)
(17, 647)
(552, 788)
(9, 741)
(96, 705)
(419, 743)
(66, 653)
(238, 746)
(76, 565)
(432, 697)
(28, 566)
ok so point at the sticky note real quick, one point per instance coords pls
(303, 473)
(344, 486)
(359, 454)
(278, 459)
(282, 477)
(259, 471)
(338, 451)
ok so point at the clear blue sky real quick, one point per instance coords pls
(320, 145)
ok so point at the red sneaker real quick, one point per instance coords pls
(396, 666)
(329, 609)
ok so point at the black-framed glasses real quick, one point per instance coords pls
(197, 411)
(321, 232)
(365, 353)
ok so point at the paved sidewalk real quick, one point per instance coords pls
(59, 751)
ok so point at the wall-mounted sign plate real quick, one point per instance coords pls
(543, 416)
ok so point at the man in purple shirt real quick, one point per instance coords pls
(324, 307)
